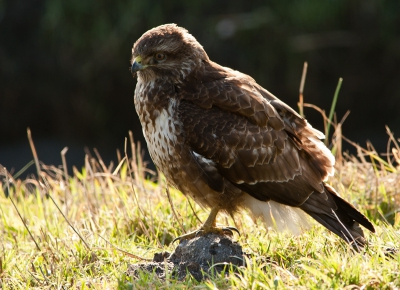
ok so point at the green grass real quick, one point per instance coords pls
(108, 208)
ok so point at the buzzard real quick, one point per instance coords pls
(228, 143)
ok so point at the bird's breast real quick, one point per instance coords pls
(161, 129)
(161, 136)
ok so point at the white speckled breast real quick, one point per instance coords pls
(161, 136)
(160, 126)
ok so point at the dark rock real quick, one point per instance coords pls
(200, 256)
(160, 257)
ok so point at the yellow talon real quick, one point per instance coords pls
(209, 227)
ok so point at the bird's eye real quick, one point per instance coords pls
(159, 56)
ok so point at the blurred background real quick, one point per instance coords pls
(64, 65)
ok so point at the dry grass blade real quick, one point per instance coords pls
(300, 104)
(69, 223)
(20, 216)
(332, 111)
(194, 212)
(66, 175)
(395, 151)
(35, 156)
(121, 162)
(125, 252)
(173, 209)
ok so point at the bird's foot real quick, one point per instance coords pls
(220, 230)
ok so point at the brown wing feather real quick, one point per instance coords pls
(233, 91)
(217, 86)
(260, 160)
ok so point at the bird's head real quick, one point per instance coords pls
(166, 51)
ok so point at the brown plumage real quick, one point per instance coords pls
(228, 143)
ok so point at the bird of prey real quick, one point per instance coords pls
(228, 143)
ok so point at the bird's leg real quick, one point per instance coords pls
(209, 226)
(211, 220)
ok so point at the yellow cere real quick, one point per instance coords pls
(138, 59)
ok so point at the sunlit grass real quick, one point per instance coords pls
(82, 230)
(111, 209)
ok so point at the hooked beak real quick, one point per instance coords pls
(136, 65)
